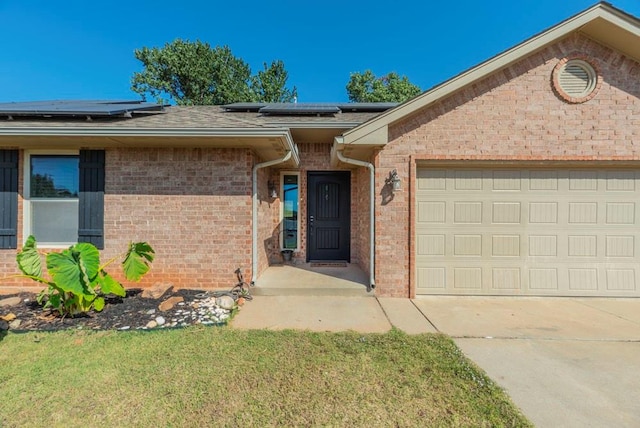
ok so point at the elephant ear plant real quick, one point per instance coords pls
(78, 283)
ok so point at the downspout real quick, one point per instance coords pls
(372, 221)
(254, 231)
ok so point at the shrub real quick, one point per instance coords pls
(78, 283)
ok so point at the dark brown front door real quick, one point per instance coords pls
(329, 215)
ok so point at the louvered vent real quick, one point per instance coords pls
(577, 79)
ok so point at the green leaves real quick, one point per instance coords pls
(77, 280)
(194, 73)
(367, 88)
(108, 285)
(136, 262)
(29, 260)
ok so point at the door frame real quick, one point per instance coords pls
(344, 175)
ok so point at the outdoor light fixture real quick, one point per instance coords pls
(394, 181)
(272, 189)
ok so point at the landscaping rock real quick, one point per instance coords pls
(157, 291)
(152, 324)
(4, 325)
(8, 317)
(160, 320)
(225, 302)
(9, 301)
(15, 324)
(170, 303)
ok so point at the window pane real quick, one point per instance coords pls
(54, 221)
(290, 212)
(54, 176)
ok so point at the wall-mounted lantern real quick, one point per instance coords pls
(394, 181)
(273, 192)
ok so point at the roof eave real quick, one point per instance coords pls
(281, 134)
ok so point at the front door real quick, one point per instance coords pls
(329, 215)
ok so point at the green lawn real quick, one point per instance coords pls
(223, 377)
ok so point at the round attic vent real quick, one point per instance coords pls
(575, 80)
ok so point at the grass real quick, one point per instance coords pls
(223, 377)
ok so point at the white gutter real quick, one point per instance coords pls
(92, 131)
(372, 220)
(254, 226)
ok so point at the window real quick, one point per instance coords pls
(290, 225)
(51, 193)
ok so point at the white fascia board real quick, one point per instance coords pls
(56, 131)
(492, 65)
(281, 133)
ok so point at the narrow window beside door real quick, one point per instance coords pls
(290, 220)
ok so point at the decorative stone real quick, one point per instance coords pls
(15, 324)
(126, 327)
(151, 311)
(225, 302)
(157, 291)
(4, 325)
(152, 324)
(170, 303)
(9, 301)
(9, 317)
(160, 320)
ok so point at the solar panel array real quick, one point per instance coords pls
(308, 108)
(77, 108)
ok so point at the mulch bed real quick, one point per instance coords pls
(131, 312)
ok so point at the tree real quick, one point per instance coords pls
(367, 88)
(269, 85)
(194, 73)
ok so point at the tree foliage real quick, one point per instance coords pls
(269, 85)
(367, 88)
(194, 73)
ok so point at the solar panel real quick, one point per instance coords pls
(250, 107)
(366, 107)
(77, 108)
(300, 108)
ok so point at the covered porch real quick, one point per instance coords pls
(313, 279)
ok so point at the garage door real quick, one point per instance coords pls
(539, 232)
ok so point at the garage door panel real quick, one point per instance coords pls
(532, 232)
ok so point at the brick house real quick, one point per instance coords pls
(520, 176)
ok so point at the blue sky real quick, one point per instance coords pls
(84, 50)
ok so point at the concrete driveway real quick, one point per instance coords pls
(565, 362)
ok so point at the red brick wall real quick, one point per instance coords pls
(511, 115)
(192, 205)
(268, 220)
(360, 225)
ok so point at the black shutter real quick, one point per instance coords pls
(91, 198)
(8, 199)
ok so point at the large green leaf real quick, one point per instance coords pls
(108, 285)
(29, 261)
(90, 257)
(64, 268)
(136, 262)
(98, 304)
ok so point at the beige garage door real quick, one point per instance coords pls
(560, 232)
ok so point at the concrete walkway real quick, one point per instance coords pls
(565, 362)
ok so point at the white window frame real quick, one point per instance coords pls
(282, 174)
(27, 210)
